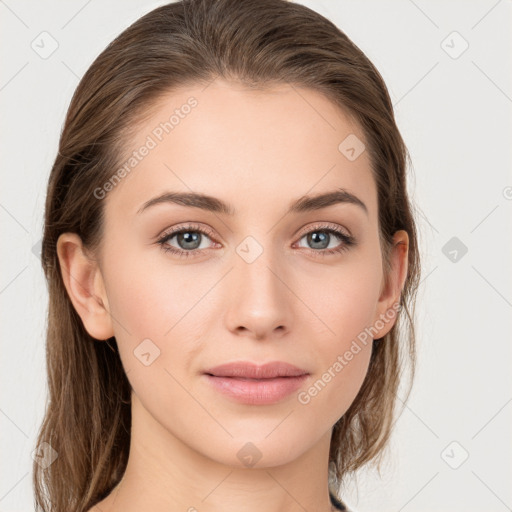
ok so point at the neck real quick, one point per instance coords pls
(165, 474)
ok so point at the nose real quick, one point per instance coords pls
(259, 298)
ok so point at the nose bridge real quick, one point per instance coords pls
(255, 268)
(259, 302)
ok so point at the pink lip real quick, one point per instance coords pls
(248, 370)
(252, 384)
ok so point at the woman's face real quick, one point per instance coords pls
(267, 282)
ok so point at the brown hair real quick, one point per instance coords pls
(258, 44)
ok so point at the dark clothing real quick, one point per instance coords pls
(337, 503)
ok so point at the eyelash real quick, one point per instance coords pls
(347, 240)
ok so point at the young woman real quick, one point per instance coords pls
(232, 264)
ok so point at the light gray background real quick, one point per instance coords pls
(454, 112)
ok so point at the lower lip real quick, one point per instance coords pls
(257, 392)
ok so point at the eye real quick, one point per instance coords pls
(188, 238)
(321, 238)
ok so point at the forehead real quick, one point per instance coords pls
(248, 147)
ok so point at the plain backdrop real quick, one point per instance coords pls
(448, 69)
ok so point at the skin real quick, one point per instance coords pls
(257, 151)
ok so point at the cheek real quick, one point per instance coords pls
(347, 308)
(342, 358)
(149, 306)
(339, 385)
(153, 307)
(346, 299)
(150, 299)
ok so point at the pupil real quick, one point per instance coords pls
(188, 240)
(319, 237)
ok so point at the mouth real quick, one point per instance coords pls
(248, 379)
(249, 370)
(251, 384)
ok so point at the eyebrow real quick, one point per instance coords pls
(215, 205)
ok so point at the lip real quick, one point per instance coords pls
(253, 384)
(248, 370)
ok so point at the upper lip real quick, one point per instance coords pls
(246, 369)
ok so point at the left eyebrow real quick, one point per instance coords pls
(309, 203)
(216, 205)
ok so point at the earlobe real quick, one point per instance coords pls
(84, 285)
(389, 299)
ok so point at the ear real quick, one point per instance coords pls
(393, 283)
(84, 284)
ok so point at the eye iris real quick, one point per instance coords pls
(189, 237)
(319, 237)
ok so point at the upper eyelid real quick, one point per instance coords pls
(187, 227)
(324, 225)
